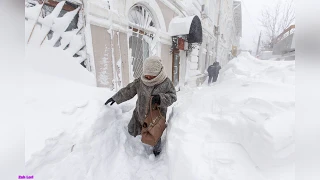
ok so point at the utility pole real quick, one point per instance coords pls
(218, 34)
(258, 44)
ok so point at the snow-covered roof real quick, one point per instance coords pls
(180, 26)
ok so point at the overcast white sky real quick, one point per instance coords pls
(251, 12)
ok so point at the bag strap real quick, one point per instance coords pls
(150, 103)
(150, 106)
(150, 100)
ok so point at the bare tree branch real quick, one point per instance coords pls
(275, 20)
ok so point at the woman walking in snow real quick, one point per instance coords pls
(154, 82)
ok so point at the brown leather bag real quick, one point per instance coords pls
(153, 126)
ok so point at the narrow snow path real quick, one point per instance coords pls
(98, 149)
(239, 128)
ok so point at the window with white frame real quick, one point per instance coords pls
(141, 42)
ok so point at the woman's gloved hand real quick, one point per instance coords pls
(110, 101)
(156, 100)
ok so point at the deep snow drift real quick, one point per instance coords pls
(57, 63)
(247, 114)
(239, 128)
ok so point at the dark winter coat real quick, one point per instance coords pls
(165, 90)
(216, 72)
(211, 70)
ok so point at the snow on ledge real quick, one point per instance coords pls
(180, 26)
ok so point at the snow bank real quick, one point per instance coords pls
(49, 103)
(97, 147)
(239, 128)
(70, 134)
(251, 105)
(55, 87)
(56, 62)
(247, 66)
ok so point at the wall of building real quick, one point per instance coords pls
(228, 29)
(202, 55)
(168, 14)
(110, 53)
(101, 41)
(183, 68)
(111, 50)
(123, 40)
(166, 59)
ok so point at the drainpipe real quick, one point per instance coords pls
(218, 35)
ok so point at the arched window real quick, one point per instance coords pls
(142, 41)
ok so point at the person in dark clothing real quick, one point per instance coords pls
(210, 73)
(213, 72)
(216, 72)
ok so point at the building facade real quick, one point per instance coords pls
(188, 35)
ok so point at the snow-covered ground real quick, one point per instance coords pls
(241, 127)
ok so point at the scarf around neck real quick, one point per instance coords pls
(157, 80)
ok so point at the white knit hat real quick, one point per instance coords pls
(152, 66)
